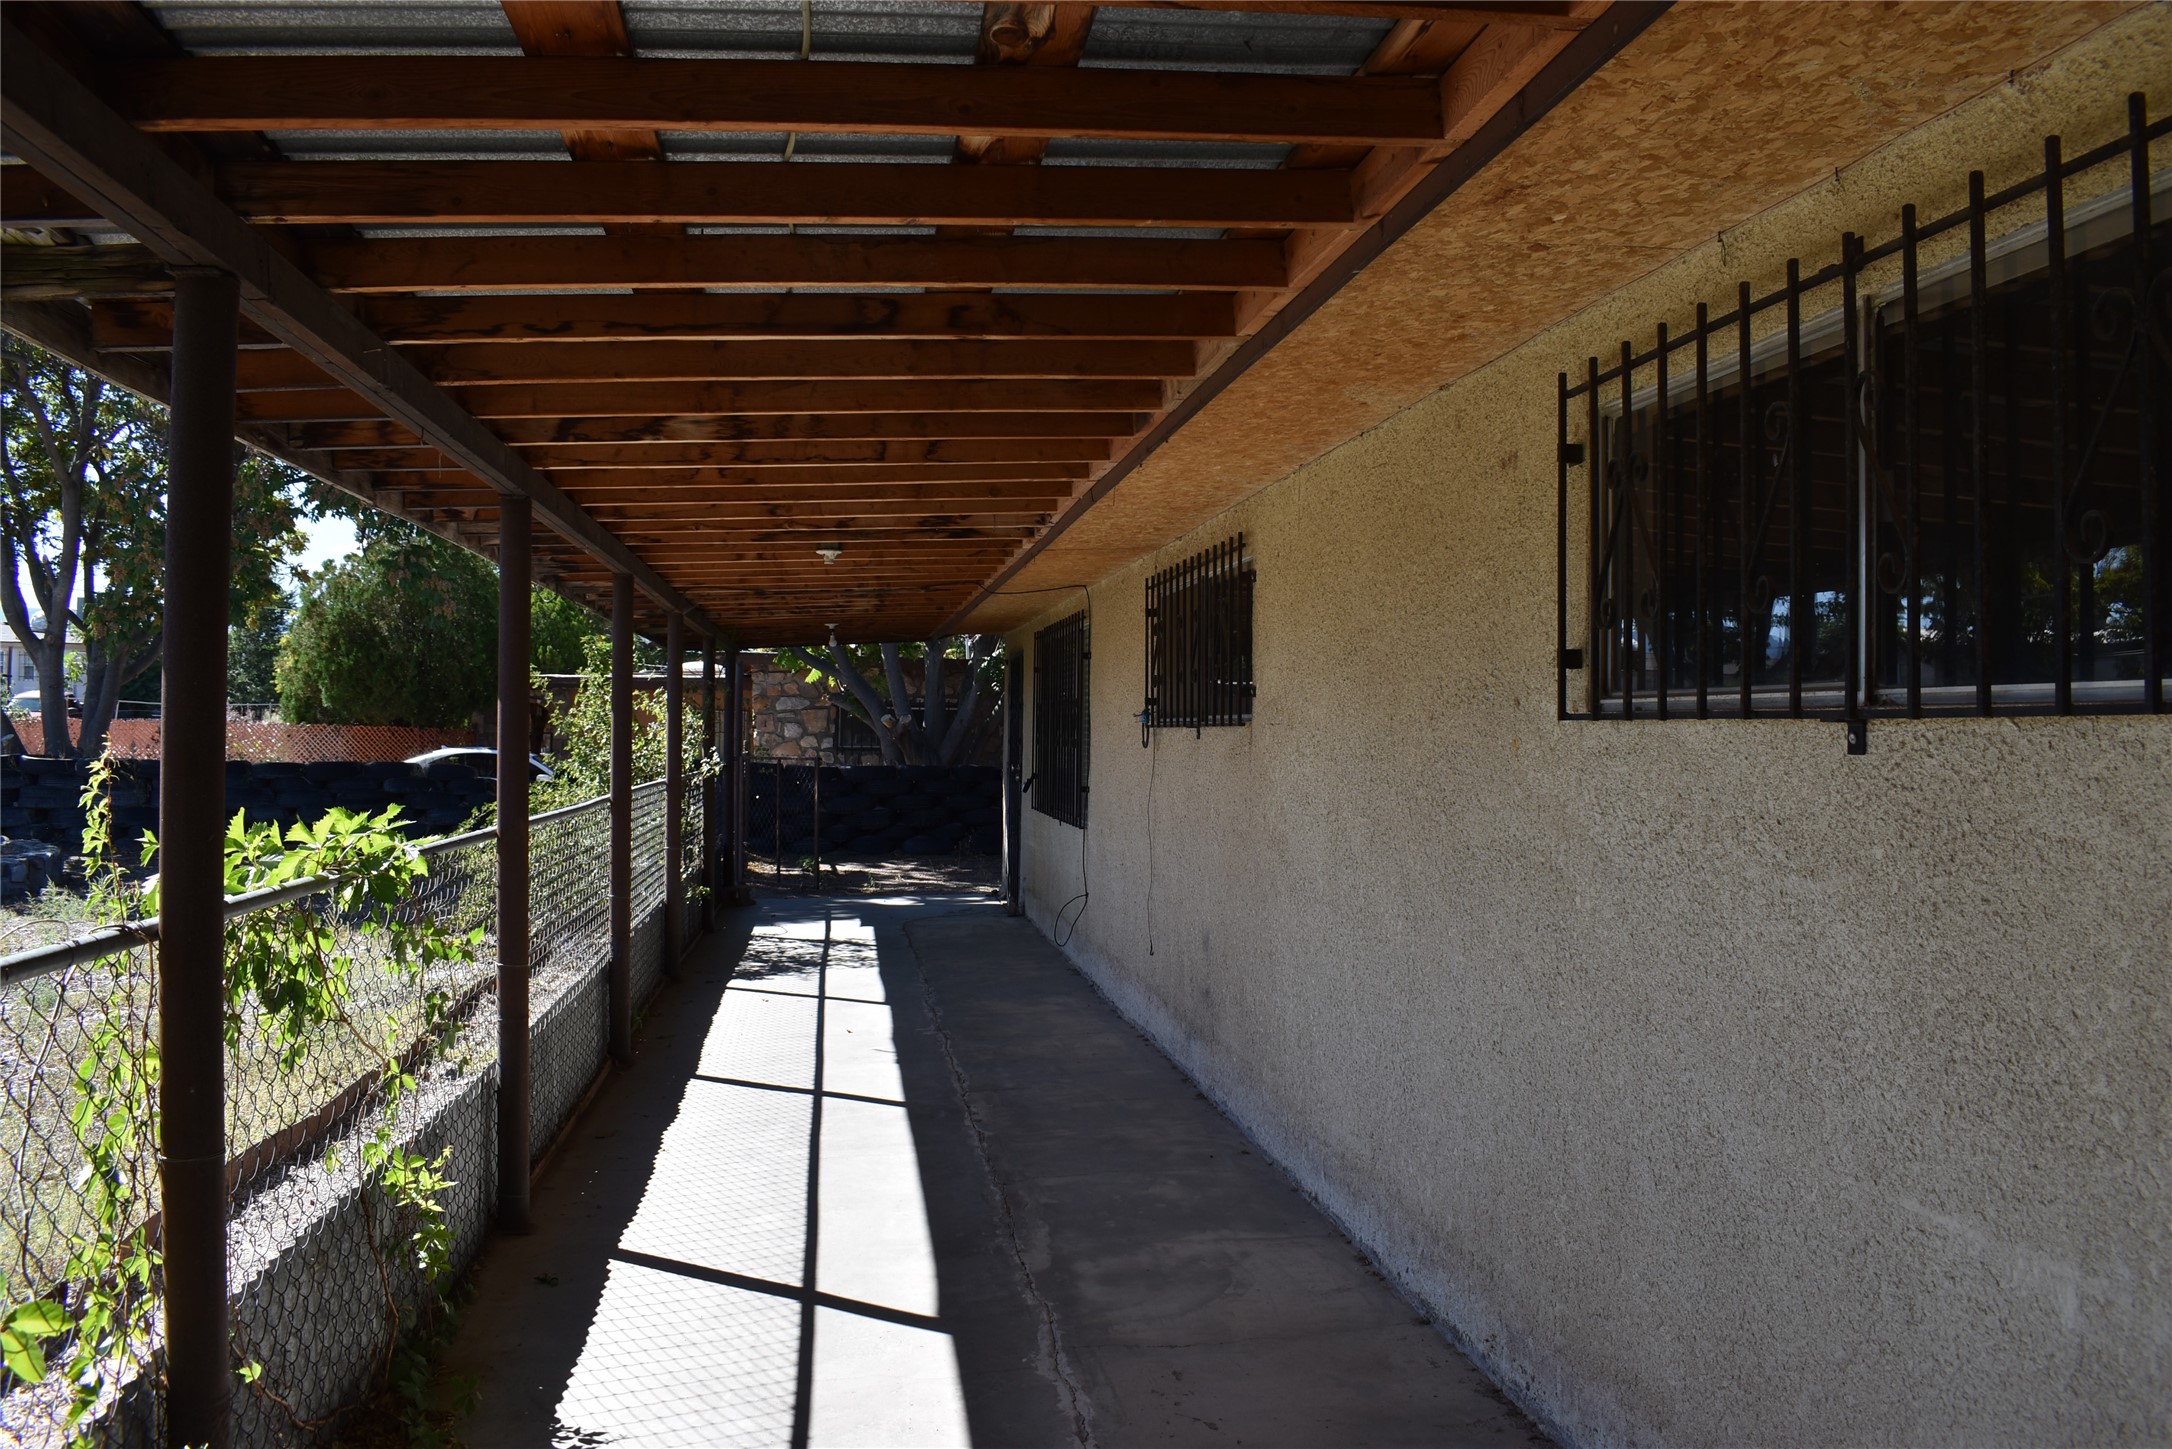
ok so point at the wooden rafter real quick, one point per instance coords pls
(713, 404)
(424, 93)
(532, 263)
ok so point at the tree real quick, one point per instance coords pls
(252, 652)
(403, 632)
(560, 633)
(932, 735)
(83, 469)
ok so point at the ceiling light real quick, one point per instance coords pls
(829, 552)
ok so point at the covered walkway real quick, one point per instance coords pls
(889, 1172)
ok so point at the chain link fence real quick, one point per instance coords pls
(264, 740)
(322, 1274)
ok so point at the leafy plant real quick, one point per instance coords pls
(289, 981)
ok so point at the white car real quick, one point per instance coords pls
(481, 758)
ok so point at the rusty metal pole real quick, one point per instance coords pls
(621, 865)
(192, 883)
(514, 522)
(674, 791)
(709, 784)
(735, 855)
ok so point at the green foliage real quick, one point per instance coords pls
(560, 634)
(252, 653)
(582, 764)
(404, 632)
(83, 470)
(290, 971)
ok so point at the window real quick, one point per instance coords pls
(1896, 487)
(1060, 700)
(1199, 641)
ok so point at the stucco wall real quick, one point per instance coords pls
(1709, 1085)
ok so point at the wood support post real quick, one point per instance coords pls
(709, 785)
(514, 1152)
(192, 883)
(1014, 764)
(735, 757)
(674, 791)
(621, 863)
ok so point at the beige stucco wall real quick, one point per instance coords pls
(1710, 1086)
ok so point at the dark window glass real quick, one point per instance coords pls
(1060, 701)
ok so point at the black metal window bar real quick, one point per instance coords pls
(1061, 658)
(1199, 640)
(1946, 494)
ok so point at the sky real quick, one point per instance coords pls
(326, 539)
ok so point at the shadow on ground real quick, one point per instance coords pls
(888, 1172)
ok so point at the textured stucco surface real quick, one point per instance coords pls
(1712, 1087)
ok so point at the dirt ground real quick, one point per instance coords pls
(900, 875)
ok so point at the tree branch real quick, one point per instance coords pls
(960, 726)
(901, 704)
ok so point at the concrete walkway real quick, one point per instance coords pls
(890, 1173)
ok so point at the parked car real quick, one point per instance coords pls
(482, 759)
(29, 702)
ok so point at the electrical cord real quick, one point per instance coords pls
(1153, 759)
(1080, 900)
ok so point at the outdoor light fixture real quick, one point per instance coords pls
(829, 552)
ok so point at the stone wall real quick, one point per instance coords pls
(793, 719)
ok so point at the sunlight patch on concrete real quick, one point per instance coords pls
(704, 1328)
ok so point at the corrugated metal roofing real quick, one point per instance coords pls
(1258, 41)
(401, 27)
(770, 29)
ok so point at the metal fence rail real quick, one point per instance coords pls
(317, 1297)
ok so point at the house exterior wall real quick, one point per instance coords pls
(1707, 1085)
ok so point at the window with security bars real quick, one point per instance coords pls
(1943, 488)
(1199, 640)
(1061, 659)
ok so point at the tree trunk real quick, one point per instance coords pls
(934, 715)
(901, 706)
(864, 695)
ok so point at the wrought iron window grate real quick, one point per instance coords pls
(1199, 640)
(1946, 494)
(1061, 659)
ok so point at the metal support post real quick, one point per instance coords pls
(514, 522)
(1014, 751)
(735, 862)
(192, 884)
(621, 864)
(674, 791)
(709, 785)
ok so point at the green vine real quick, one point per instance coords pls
(290, 981)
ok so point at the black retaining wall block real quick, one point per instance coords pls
(871, 812)
(40, 799)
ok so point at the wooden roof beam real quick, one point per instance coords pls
(379, 193)
(766, 456)
(467, 364)
(72, 136)
(139, 324)
(595, 482)
(642, 399)
(546, 436)
(426, 92)
(545, 263)
(459, 490)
